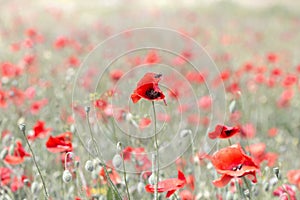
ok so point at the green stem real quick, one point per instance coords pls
(36, 165)
(125, 179)
(98, 153)
(157, 154)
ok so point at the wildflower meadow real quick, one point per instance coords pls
(139, 100)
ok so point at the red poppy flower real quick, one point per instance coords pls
(147, 88)
(39, 131)
(37, 106)
(18, 155)
(60, 143)
(5, 175)
(223, 132)
(294, 177)
(248, 130)
(169, 185)
(232, 162)
(285, 192)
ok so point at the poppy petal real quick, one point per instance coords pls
(169, 193)
(223, 181)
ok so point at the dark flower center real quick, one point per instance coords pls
(239, 167)
(152, 94)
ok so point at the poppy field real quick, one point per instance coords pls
(149, 100)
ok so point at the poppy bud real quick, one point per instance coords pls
(266, 187)
(185, 132)
(87, 109)
(117, 161)
(151, 179)
(22, 127)
(3, 154)
(89, 166)
(67, 176)
(247, 193)
(35, 188)
(119, 147)
(11, 149)
(141, 187)
(232, 106)
(277, 172)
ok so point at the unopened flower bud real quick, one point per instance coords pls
(67, 176)
(151, 179)
(185, 132)
(3, 153)
(276, 172)
(89, 166)
(22, 127)
(232, 106)
(117, 161)
(87, 109)
(141, 187)
(119, 147)
(34, 188)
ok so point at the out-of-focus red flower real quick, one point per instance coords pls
(61, 42)
(169, 185)
(259, 154)
(113, 175)
(152, 58)
(116, 74)
(9, 70)
(100, 104)
(285, 192)
(163, 117)
(5, 174)
(147, 88)
(285, 98)
(144, 122)
(289, 80)
(142, 161)
(272, 132)
(294, 177)
(60, 143)
(205, 102)
(18, 155)
(73, 61)
(186, 195)
(224, 132)
(37, 106)
(276, 71)
(248, 130)
(39, 131)
(30, 92)
(195, 77)
(17, 96)
(17, 183)
(272, 57)
(232, 162)
(3, 99)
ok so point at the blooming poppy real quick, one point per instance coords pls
(232, 162)
(147, 88)
(142, 161)
(18, 155)
(186, 195)
(60, 143)
(169, 185)
(39, 131)
(223, 132)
